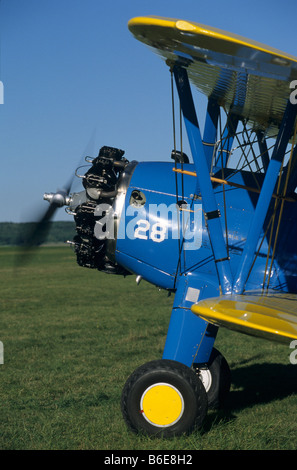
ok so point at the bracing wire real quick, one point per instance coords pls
(175, 167)
(182, 176)
(180, 209)
(224, 192)
(282, 204)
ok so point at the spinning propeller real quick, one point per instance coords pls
(100, 186)
(40, 229)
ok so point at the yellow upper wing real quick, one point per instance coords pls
(250, 77)
(271, 316)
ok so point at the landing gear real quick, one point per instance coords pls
(164, 398)
(167, 398)
(216, 378)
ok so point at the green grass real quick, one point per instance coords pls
(72, 336)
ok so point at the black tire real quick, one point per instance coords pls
(165, 398)
(216, 378)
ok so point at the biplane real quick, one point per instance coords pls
(218, 228)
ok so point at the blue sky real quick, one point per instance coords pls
(73, 74)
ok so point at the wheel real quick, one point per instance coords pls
(164, 398)
(216, 378)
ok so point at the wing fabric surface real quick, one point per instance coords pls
(251, 78)
(272, 316)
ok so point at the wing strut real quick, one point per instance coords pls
(210, 130)
(201, 163)
(264, 200)
(227, 141)
(263, 149)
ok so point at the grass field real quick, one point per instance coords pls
(71, 338)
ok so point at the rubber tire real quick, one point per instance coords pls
(181, 377)
(220, 379)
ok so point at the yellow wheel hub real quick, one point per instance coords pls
(162, 405)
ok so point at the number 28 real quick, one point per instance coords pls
(157, 233)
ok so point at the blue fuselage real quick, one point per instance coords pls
(162, 236)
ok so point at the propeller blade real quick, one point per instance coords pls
(40, 229)
(38, 232)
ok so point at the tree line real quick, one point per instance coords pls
(17, 234)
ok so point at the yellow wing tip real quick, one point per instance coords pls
(179, 24)
(248, 316)
(138, 21)
(137, 24)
